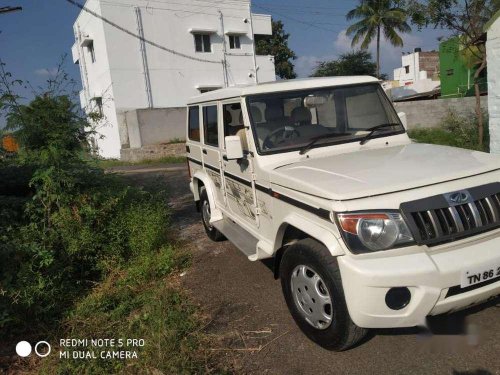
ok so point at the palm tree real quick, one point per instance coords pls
(377, 16)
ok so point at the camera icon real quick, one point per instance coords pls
(24, 349)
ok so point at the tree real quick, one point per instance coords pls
(349, 64)
(375, 17)
(277, 46)
(466, 19)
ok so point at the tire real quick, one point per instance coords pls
(310, 277)
(212, 233)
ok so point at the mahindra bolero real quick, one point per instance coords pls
(367, 228)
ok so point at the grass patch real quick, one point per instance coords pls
(436, 136)
(140, 300)
(455, 131)
(110, 163)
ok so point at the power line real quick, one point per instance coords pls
(315, 25)
(317, 10)
(211, 6)
(117, 3)
(217, 5)
(9, 9)
(127, 5)
(273, 4)
(138, 36)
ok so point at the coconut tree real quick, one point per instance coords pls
(375, 17)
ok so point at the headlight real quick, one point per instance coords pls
(374, 231)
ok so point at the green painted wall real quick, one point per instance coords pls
(456, 79)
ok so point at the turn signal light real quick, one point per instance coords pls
(349, 222)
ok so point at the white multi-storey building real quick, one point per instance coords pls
(136, 54)
(419, 73)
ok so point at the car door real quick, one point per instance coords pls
(237, 174)
(211, 155)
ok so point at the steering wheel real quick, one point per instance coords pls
(279, 136)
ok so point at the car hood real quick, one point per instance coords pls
(379, 171)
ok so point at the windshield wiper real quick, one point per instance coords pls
(307, 147)
(375, 129)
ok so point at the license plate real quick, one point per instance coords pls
(480, 274)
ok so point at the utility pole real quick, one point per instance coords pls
(9, 9)
(224, 51)
(255, 67)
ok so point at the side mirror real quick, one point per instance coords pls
(234, 150)
(404, 120)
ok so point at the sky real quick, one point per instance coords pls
(33, 40)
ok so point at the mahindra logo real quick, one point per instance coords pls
(458, 197)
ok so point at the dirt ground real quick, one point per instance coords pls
(254, 333)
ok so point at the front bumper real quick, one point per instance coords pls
(431, 274)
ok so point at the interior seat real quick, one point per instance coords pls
(274, 118)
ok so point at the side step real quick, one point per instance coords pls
(238, 236)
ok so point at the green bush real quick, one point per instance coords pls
(48, 261)
(65, 223)
(455, 130)
(82, 254)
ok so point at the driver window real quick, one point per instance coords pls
(233, 123)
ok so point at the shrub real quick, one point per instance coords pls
(66, 223)
(455, 130)
(80, 247)
(56, 255)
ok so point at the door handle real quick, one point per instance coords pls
(224, 157)
(205, 151)
(188, 150)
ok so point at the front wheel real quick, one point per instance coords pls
(312, 286)
(211, 231)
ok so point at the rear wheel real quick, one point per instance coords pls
(312, 286)
(211, 231)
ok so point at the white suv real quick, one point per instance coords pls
(367, 229)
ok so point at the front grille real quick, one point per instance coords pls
(435, 220)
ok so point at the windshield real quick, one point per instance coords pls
(286, 121)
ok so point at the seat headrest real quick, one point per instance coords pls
(256, 114)
(273, 113)
(301, 115)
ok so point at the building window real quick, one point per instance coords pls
(234, 42)
(450, 72)
(202, 43)
(407, 69)
(194, 124)
(210, 126)
(90, 48)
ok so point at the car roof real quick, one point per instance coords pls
(277, 86)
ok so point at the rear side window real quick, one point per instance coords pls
(210, 128)
(194, 124)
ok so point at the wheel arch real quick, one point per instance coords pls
(202, 179)
(296, 228)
